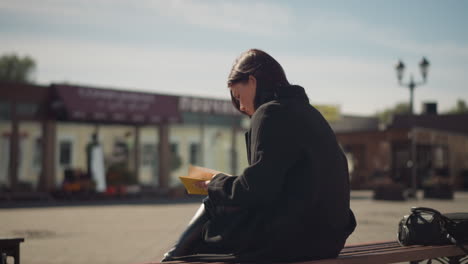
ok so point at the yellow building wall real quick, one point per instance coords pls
(30, 158)
(217, 144)
(30, 154)
(216, 148)
(5, 129)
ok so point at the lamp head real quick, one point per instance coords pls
(400, 68)
(424, 66)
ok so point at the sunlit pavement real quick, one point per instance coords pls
(132, 233)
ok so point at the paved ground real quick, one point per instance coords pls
(142, 232)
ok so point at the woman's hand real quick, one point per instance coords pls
(204, 184)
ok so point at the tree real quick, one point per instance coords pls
(386, 115)
(459, 108)
(17, 69)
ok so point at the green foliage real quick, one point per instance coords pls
(459, 108)
(16, 69)
(385, 116)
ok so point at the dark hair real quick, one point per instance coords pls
(267, 71)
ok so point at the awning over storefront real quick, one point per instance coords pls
(77, 103)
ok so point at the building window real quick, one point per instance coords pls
(440, 157)
(174, 148)
(5, 110)
(176, 160)
(194, 153)
(65, 152)
(148, 155)
(37, 155)
(26, 109)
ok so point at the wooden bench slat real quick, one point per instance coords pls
(406, 249)
(371, 244)
(396, 247)
(370, 247)
(382, 252)
(406, 254)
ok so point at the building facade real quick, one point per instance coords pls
(413, 149)
(148, 139)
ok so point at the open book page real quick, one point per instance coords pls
(197, 174)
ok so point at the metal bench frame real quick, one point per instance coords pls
(10, 247)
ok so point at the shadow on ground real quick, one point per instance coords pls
(107, 202)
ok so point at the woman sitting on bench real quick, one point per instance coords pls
(292, 202)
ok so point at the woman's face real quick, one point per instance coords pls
(244, 92)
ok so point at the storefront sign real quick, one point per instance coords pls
(208, 106)
(105, 105)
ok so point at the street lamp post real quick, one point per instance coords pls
(400, 68)
(424, 67)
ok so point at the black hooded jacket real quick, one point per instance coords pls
(292, 202)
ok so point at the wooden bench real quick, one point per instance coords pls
(10, 247)
(385, 252)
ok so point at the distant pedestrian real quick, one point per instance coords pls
(95, 163)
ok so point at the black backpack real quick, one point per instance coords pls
(427, 226)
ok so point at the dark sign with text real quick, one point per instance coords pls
(106, 105)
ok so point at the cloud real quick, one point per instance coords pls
(357, 84)
(262, 18)
(237, 16)
(361, 84)
(83, 11)
(255, 18)
(345, 27)
(157, 69)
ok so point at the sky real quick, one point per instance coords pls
(342, 52)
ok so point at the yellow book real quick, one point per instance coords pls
(197, 174)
